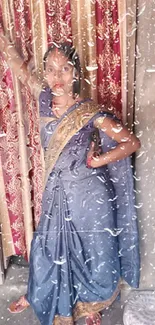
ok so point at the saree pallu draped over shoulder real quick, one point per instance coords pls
(66, 129)
(87, 238)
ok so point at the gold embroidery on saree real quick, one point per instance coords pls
(83, 309)
(66, 129)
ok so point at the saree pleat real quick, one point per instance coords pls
(69, 270)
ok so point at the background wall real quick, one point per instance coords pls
(145, 129)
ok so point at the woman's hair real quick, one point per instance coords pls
(72, 57)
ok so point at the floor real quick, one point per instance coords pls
(15, 285)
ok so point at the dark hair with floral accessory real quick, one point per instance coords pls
(69, 51)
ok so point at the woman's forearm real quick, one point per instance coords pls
(19, 67)
(122, 151)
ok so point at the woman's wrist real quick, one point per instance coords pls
(95, 162)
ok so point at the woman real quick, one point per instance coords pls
(87, 236)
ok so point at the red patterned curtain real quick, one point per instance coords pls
(108, 55)
(32, 26)
(58, 21)
(20, 147)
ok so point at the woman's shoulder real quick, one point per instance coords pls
(102, 111)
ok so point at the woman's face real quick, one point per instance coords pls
(59, 74)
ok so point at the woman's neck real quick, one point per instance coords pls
(60, 104)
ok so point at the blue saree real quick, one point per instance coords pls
(87, 238)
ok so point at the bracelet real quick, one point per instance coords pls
(88, 162)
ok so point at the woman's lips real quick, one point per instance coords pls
(58, 85)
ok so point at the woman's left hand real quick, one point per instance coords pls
(92, 157)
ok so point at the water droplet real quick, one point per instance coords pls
(60, 262)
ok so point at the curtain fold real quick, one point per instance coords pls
(22, 165)
(84, 39)
(122, 11)
(15, 161)
(38, 35)
(8, 247)
(31, 26)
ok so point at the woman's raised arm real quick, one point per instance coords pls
(19, 67)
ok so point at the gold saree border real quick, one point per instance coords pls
(66, 129)
(83, 24)
(83, 309)
(44, 120)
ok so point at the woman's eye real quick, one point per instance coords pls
(50, 70)
(65, 69)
